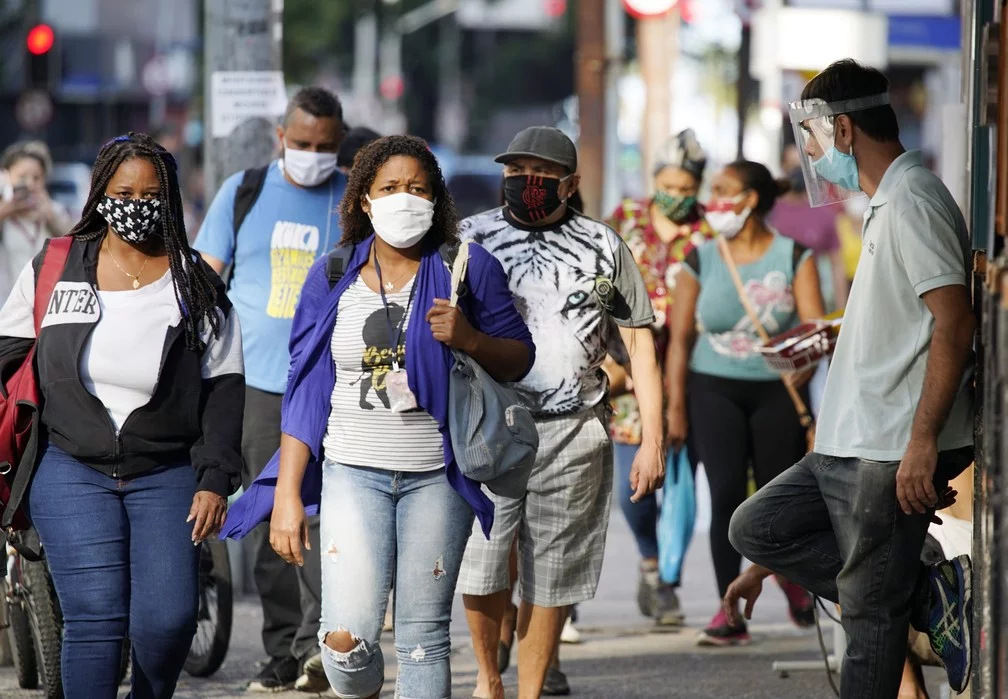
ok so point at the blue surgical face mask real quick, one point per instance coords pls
(838, 168)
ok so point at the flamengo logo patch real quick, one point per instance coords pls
(72, 302)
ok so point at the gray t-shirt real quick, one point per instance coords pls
(552, 273)
(914, 241)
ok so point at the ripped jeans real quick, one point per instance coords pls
(379, 526)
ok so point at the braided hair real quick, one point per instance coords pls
(194, 288)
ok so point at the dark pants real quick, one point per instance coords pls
(291, 596)
(121, 556)
(737, 424)
(834, 527)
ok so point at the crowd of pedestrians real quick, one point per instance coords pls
(633, 346)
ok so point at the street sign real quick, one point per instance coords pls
(237, 96)
(34, 110)
(644, 9)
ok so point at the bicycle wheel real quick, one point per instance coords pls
(47, 625)
(19, 634)
(213, 626)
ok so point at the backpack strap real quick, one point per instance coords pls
(246, 195)
(53, 262)
(337, 261)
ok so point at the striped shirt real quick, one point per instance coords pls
(362, 430)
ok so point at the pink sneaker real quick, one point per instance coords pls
(720, 632)
(801, 606)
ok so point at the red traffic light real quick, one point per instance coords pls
(40, 39)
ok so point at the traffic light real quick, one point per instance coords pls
(39, 43)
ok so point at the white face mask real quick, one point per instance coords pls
(401, 220)
(306, 168)
(724, 220)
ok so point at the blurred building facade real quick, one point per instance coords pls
(114, 65)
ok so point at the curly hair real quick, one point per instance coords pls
(356, 223)
(194, 289)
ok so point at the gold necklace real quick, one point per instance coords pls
(134, 277)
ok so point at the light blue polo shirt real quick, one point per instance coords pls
(914, 240)
(284, 232)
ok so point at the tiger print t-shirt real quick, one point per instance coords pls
(554, 274)
(363, 430)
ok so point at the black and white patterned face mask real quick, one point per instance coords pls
(135, 220)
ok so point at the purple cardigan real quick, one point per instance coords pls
(490, 308)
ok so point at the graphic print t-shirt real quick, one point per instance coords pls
(553, 273)
(285, 231)
(363, 430)
(727, 341)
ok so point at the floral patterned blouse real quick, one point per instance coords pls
(659, 263)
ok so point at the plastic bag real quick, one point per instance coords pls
(677, 517)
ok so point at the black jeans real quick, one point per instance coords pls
(735, 424)
(291, 596)
(833, 526)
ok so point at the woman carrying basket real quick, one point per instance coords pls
(742, 412)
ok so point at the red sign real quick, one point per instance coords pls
(392, 87)
(555, 8)
(40, 39)
(644, 9)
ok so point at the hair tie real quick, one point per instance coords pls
(117, 139)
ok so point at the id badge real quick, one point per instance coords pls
(401, 398)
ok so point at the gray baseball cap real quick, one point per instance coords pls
(545, 143)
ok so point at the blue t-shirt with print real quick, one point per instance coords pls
(726, 339)
(285, 231)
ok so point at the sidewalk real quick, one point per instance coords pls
(619, 656)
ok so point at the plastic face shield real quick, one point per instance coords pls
(830, 175)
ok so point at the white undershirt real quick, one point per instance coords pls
(362, 430)
(122, 356)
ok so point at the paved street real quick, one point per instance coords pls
(618, 656)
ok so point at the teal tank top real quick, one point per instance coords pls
(726, 339)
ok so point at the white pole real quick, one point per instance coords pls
(614, 39)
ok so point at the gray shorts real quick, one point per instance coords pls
(561, 522)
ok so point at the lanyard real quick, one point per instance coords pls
(395, 333)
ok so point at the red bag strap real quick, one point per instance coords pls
(55, 259)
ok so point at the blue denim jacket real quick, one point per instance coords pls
(489, 306)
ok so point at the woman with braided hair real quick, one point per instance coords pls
(140, 366)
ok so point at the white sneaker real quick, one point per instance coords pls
(570, 634)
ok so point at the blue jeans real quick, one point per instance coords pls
(122, 559)
(642, 516)
(833, 526)
(379, 526)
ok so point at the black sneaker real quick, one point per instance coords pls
(667, 609)
(278, 675)
(556, 684)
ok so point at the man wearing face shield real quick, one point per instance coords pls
(848, 522)
(571, 277)
(270, 225)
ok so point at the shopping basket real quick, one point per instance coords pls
(803, 346)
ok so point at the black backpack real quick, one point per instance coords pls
(248, 192)
(246, 195)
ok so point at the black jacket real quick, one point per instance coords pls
(194, 415)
